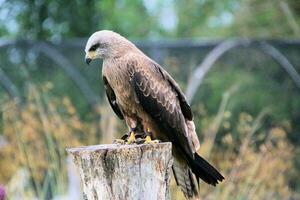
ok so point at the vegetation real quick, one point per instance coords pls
(39, 132)
(36, 19)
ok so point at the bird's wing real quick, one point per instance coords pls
(185, 107)
(112, 98)
(161, 98)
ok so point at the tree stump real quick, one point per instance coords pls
(124, 172)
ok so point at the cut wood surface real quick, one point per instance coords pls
(124, 172)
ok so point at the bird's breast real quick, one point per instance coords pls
(119, 80)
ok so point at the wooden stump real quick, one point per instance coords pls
(124, 172)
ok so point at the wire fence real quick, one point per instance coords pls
(68, 56)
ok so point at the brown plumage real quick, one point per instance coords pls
(143, 94)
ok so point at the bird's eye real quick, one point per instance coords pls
(94, 47)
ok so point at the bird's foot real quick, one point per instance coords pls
(119, 141)
(148, 140)
(136, 138)
(131, 138)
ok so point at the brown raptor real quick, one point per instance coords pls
(142, 93)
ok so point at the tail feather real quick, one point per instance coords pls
(185, 179)
(202, 169)
(188, 172)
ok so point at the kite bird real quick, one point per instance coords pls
(142, 93)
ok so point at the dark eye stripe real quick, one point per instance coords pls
(94, 47)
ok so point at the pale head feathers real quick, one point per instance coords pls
(107, 44)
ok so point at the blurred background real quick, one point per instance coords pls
(237, 60)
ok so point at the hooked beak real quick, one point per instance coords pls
(89, 56)
(88, 60)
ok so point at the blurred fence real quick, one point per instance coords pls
(188, 61)
(198, 56)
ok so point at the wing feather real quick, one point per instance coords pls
(112, 98)
(159, 99)
(185, 107)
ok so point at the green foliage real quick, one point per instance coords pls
(270, 18)
(50, 19)
(53, 19)
(128, 17)
(203, 18)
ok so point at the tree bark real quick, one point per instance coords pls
(124, 172)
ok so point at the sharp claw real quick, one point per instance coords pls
(131, 138)
(136, 138)
(148, 140)
(124, 137)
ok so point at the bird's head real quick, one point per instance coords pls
(105, 44)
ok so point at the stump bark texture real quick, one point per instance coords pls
(124, 172)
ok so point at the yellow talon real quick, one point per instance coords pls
(131, 138)
(148, 139)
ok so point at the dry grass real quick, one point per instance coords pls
(256, 166)
(252, 173)
(38, 133)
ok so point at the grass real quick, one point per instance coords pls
(256, 161)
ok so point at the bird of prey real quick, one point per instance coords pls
(142, 93)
